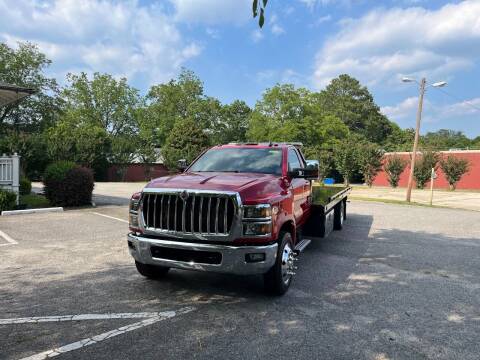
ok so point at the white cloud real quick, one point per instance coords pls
(213, 11)
(385, 44)
(405, 112)
(257, 35)
(275, 27)
(122, 38)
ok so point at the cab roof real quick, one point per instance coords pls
(263, 144)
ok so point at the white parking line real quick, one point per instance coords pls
(9, 240)
(110, 217)
(150, 318)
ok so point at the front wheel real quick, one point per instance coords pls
(151, 271)
(278, 279)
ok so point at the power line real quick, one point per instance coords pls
(458, 99)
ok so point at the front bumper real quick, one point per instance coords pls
(232, 258)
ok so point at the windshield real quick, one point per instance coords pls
(265, 161)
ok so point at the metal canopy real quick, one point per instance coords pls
(11, 93)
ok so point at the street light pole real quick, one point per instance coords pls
(417, 134)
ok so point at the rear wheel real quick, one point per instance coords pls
(339, 215)
(278, 279)
(151, 271)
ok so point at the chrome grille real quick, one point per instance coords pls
(199, 213)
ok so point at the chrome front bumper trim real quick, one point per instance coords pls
(233, 257)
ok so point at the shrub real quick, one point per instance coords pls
(394, 168)
(8, 200)
(53, 181)
(424, 166)
(370, 161)
(68, 185)
(25, 186)
(78, 187)
(454, 168)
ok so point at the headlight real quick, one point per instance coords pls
(133, 213)
(255, 228)
(262, 211)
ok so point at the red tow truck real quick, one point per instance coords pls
(240, 208)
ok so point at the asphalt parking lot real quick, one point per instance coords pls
(399, 282)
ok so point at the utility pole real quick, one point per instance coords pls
(417, 134)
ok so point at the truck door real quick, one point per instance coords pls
(300, 187)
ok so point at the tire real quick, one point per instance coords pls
(339, 215)
(276, 280)
(151, 271)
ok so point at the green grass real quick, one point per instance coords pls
(34, 201)
(321, 194)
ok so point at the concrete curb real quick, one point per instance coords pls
(32, 211)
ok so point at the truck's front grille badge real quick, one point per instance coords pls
(197, 213)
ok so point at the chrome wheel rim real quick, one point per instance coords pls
(287, 264)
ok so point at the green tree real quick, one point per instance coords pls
(25, 66)
(369, 158)
(345, 159)
(169, 103)
(423, 167)
(352, 103)
(444, 139)
(186, 141)
(32, 149)
(109, 104)
(326, 161)
(84, 143)
(454, 168)
(234, 125)
(394, 167)
(288, 114)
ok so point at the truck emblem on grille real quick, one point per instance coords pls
(184, 195)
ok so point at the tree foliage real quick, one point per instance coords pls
(186, 141)
(444, 139)
(370, 161)
(25, 66)
(454, 168)
(353, 104)
(423, 167)
(394, 167)
(345, 159)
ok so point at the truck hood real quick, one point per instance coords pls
(252, 187)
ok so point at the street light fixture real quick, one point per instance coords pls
(422, 84)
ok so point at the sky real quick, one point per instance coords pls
(304, 42)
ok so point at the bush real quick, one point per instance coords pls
(454, 168)
(79, 186)
(394, 168)
(53, 181)
(8, 200)
(68, 185)
(25, 186)
(370, 161)
(424, 166)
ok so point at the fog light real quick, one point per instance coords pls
(250, 228)
(255, 257)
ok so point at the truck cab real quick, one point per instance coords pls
(236, 209)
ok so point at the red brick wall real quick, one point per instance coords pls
(471, 180)
(136, 172)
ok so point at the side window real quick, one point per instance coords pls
(293, 161)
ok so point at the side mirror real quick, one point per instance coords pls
(307, 173)
(313, 167)
(182, 165)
